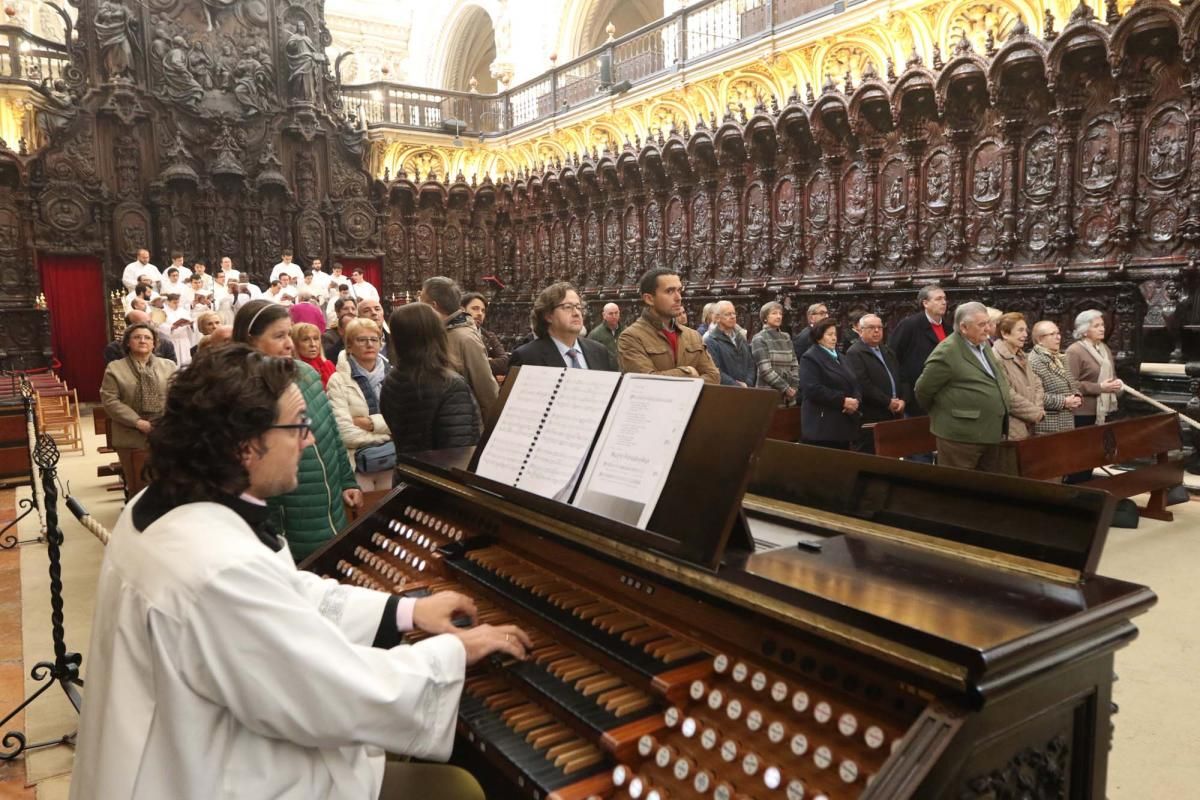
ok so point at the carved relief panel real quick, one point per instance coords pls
(632, 232)
(788, 241)
(676, 244)
(1039, 179)
(985, 179)
(612, 249)
(729, 257)
(702, 237)
(855, 208)
(893, 189)
(936, 187)
(757, 232)
(592, 262)
(1096, 176)
(817, 233)
(1163, 166)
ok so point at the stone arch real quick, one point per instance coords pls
(584, 24)
(469, 49)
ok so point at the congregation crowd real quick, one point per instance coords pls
(426, 376)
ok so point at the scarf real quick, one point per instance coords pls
(370, 382)
(1106, 403)
(149, 399)
(1055, 360)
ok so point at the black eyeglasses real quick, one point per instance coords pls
(303, 426)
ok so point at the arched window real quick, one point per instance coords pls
(625, 15)
(471, 51)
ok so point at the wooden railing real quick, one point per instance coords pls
(685, 38)
(28, 58)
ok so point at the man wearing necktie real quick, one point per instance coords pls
(878, 373)
(967, 395)
(557, 320)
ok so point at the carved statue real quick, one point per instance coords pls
(896, 194)
(225, 65)
(250, 82)
(212, 9)
(200, 65)
(181, 86)
(305, 63)
(115, 29)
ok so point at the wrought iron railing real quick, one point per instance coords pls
(685, 38)
(29, 58)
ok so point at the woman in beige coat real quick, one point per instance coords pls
(359, 422)
(1026, 407)
(133, 392)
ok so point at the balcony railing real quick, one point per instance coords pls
(685, 38)
(29, 58)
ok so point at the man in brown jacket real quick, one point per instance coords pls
(468, 356)
(656, 344)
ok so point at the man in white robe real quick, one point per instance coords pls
(320, 280)
(360, 289)
(286, 267)
(139, 267)
(217, 669)
(177, 262)
(231, 274)
(174, 283)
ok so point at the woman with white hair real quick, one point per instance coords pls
(1091, 365)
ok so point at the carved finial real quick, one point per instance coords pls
(611, 30)
(891, 70)
(474, 84)
(1020, 28)
(1111, 15)
(22, 147)
(869, 73)
(460, 178)
(742, 113)
(700, 126)
(829, 85)
(1083, 12)
(774, 104)
(760, 107)
(937, 56)
(474, 183)
(963, 46)
(847, 83)
(914, 58)
(989, 44)
(387, 174)
(808, 93)
(637, 142)
(728, 115)
(661, 140)
(712, 119)
(416, 174)
(1048, 31)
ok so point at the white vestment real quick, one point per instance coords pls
(182, 337)
(292, 269)
(136, 269)
(218, 670)
(363, 291)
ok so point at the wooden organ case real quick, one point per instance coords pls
(899, 631)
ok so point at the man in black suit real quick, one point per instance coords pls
(115, 350)
(878, 373)
(803, 339)
(557, 322)
(914, 339)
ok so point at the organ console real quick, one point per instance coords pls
(896, 632)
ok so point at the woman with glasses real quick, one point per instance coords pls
(354, 397)
(313, 512)
(133, 392)
(427, 406)
(1061, 394)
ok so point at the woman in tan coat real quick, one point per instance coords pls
(133, 391)
(1026, 403)
(1091, 365)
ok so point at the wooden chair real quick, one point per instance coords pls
(58, 415)
(113, 469)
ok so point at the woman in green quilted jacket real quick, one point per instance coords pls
(313, 512)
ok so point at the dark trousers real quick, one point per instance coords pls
(982, 457)
(1081, 421)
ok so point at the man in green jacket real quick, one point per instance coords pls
(964, 388)
(609, 329)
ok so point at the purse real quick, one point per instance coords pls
(375, 458)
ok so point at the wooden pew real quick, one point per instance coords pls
(113, 469)
(14, 445)
(1053, 455)
(785, 425)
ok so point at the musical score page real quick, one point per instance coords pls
(557, 458)
(506, 454)
(633, 457)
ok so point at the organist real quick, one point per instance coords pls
(217, 669)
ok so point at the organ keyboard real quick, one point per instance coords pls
(872, 660)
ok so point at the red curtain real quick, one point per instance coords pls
(74, 288)
(372, 271)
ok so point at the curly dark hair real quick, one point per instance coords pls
(545, 304)
(228, 396)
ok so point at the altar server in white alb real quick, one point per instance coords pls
(216, 668)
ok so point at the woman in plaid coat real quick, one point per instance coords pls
(1061, 391)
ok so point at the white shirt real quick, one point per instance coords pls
(178, 287)
(363, 291)
(320, 284)
(232, 274)
(562, 351)
(218, 670)
(184, 273)
(290, 268)
(135, 270)
(127, 300)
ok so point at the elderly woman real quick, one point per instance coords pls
(1025, 405)
(1060, 393)
(829, 414)
(206, 323)
(133, 392)
(313, 512)
(1091, 365)
(775, 355)
(306, 344)
(427, 405)
(354, 393)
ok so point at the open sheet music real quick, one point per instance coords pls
(633, 456)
